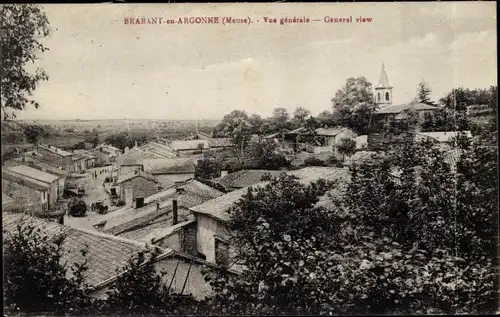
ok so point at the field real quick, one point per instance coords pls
(66, 133)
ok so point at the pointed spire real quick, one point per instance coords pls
(383, 82)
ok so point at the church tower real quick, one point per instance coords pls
(383, 92)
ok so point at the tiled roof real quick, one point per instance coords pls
(219, 206)
(131, 176)
(445, 136)
(132, 157)
(85, 153)
(55, 150)
(194, 193)
(244, 178)
(159, 149)
(215, 142)
(49, 168)
(23, 180)
(109, 146)
(159, 233)
(394, 109)
(51, 160)
(105, 255)
(168, 165)
(329, 131)
(33, 173)
(188, 145)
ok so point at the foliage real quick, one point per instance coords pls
(313, 161)
(123, 139)
(23, 26)
(79, 146)
(461, 97)
(36, 281)
(333, 161)
(207, 168)
(281, 237)
(423, 93)
(140, 289)
(77, 207)
(265, 154)
(353, 105)
(33, 132)
(346, 146)
(300, 115)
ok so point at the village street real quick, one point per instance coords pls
(94, 192)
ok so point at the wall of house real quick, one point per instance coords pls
(138, 187)
(167, 180)
(171, 242)
(188, 239)
(195, 283)
(127, 170)
(53, 193)
(25, 197)
(322, 149)
(206, 230)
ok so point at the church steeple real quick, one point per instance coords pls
(383, 91)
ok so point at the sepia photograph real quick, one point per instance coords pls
(249, 159)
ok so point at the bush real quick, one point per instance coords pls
(120, 203)
(77, 208)
(313, 161)
(334, 162)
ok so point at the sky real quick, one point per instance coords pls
(102, 68)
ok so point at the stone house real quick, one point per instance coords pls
(62, 158)
(137, 185)
(29, 195)
(168, 171)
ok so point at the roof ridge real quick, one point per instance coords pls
(109, 236)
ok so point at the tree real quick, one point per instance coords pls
(77, 207)
(208, 167)
(325, 119)
(346, 146)
(141, 289)
(35, 278)
(265, 154)
(237, 126)
(282, 238)
(300, 115)
(280, 119)
(423, 93)
(33, 132)
(23, 26)
(313, 161)
(353, 105)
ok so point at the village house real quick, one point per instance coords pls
(212, 233)
(29, 195)
(106, 254)
(62, 159)
(47, 168)
(159, 149)
(51, 180)
(106, 153)
(136, 185)
(168, 171)
(214, 143)
(90, 159)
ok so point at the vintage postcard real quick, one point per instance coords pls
(249, 159)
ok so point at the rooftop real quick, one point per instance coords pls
(218, 207)
(33, 173)
(131, 176)
(132, 157)
(169, 165)
(190, 145)
(244, 178)
(105, 255)
(160, 149)
(395, 109)
(55, 150)
(445, 136)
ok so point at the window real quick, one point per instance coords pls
(43, 195)
(387, 96)
(221, 252)
(378, 97)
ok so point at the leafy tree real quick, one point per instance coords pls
(325, 119)
(265, 154)
(353, 105)
(79, 146)
(280, 117)
(208, 168)
(346, 146)
(33, 132)
(237, 126)
(22, 26)
(35, 278)
(333, 161)
(281, 237)
(300, 116)
(423, 93)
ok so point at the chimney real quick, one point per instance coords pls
(158, 206)
(174, 212)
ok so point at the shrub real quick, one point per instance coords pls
(313, 161)
(77, 207)
(333, 161)
(120, 203)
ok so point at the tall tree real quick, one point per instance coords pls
(345, 147)
(22, 28)
(423, 93)
(280, 118)
(353, 104)
(300, 115)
